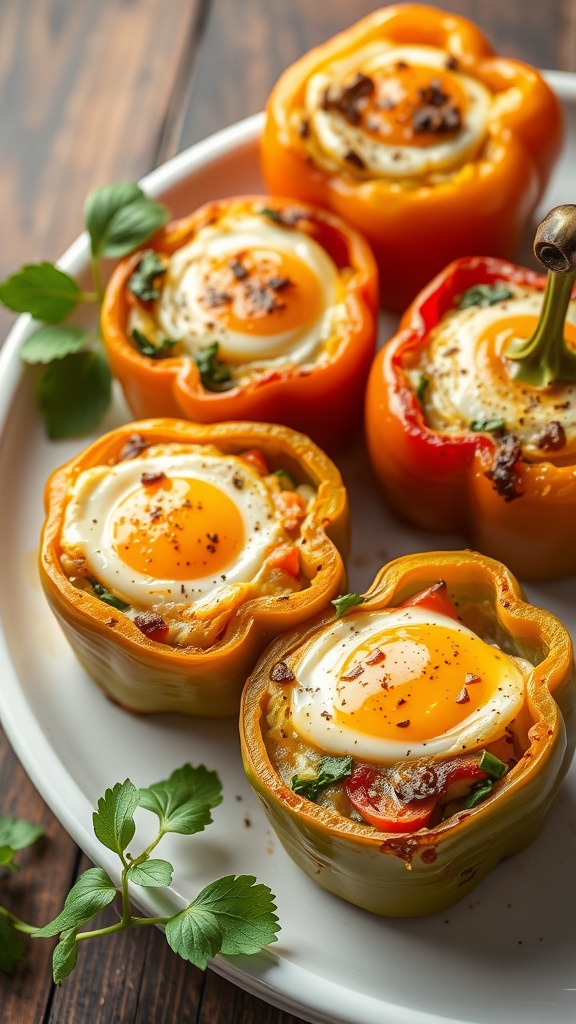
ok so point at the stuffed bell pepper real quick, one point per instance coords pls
(409, 126)
(250, 308)
(471, 408)
(406, 742)
(173, 553)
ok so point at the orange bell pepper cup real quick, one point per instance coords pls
(320, 392)
(508, 482)
(122, 637)
(441, 148)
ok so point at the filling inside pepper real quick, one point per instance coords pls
(400, 717)
(465, 380)
(253, 292)
(401, 112)
(177, 536)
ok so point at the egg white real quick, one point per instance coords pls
(461, 389)
(335, 136)
(97, 494)
(319, 690)
(180, 314)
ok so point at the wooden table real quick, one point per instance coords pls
(98, 92)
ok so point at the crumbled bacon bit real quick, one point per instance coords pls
(281, 673)
(437, 119)
(238, 269)
(552, 438)
(351, 157)
(147, 479)
(451, 62)
(152, 625)
(303, 128)
(463, 697)
(213, 297)
(262, 299)
(471, 677)
(134, 446)
(404, 724)
(278, 283)
(345, 99)
(375, 657)
(503, 472)
(353, 673)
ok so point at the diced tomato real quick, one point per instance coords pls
(435, 598)
(403, 798)
(255, 458)
(287, 558)
(373, 796)
(153, 626)
(291, 509)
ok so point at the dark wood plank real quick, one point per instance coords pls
(86, 91)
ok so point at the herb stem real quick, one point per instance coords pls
(132, 922)
(97, 277)
(16, 923)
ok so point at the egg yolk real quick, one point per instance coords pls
(494, 339)
(260, 291)
(413, 106)
(416, 682)
(177, 529)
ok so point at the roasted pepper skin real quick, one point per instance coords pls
(299, 397)
(438, 481)
(484, 207)
(368, 867)
(146, 676)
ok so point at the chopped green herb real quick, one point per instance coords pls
(330, 769)
(493, 765)
(495, 425)
(285, 480)
(421, 387)
(141, 283)
(146, 348)
(343, 603)
(479, 793)
(108, 598)
(274, 215)
(214, 374)
(485, 295)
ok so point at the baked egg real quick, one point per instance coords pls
(403, 684)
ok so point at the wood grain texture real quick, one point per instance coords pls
(96, 92)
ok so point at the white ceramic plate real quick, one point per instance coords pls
(507, 954)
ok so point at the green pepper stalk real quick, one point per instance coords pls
(545, 357)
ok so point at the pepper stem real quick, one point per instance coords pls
(545, 356)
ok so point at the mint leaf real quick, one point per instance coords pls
(233, 915)
(141, 283)
(345, 602)
(151, 872)
(65, 955)
(183, 802)
(119, 217)
(93, 891)
(53, 342)
(113, 822)
(17, 833)
(214, 374)
(74, 393)
(485, 295)
(11, 947)
(42, 290)
(330, 769)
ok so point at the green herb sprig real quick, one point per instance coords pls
(330, 770)
(233, 915)
(74, 386)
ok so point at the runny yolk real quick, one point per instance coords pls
(414, 106)
(416, 682)
(261, 291)
(494, 339)
(178, 529)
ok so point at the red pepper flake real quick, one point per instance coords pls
(152, 478)
(134, 446)
(354, 672)
(463, 697)
(152, 625)
(281, 673)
